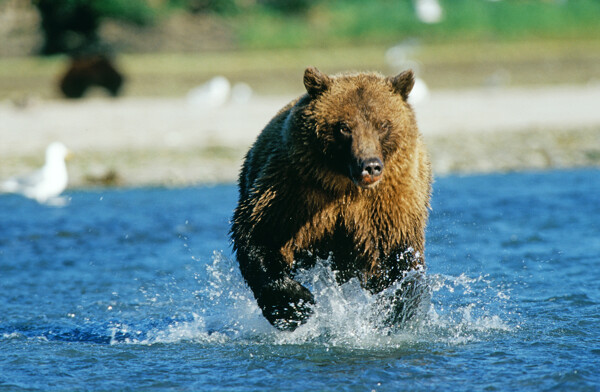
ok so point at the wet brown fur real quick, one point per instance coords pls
(298, 199)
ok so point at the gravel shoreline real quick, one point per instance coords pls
(172, 142)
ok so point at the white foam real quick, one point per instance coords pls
(460, 309)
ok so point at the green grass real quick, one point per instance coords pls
(333, 23)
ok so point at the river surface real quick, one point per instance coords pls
(137, 290)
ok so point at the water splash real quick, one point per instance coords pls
(466, 309)
(452, 309)
(222, 310)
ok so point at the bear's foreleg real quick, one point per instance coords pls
(285, 303)
(405, 300)
(401, 281)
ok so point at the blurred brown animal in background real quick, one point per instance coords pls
(90, 71)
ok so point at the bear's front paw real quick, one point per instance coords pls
(286, 303)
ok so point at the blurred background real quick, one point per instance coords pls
(166, 45)
(172, 92)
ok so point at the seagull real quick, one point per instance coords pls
(43, 185)
(212, 94)
(419, 92)
(428, 11)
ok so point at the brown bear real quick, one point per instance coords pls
(342, 174)
(89, 71)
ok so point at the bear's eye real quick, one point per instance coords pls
(385, 127)
(343, 129)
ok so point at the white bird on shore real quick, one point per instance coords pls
(428, 11)
(212, 94)
(46, 184)
(419, 92)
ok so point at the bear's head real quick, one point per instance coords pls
(354, 124)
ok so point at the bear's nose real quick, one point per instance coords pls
(372, 168)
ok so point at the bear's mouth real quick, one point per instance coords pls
(367, 182)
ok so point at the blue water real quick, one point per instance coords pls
(137, 290)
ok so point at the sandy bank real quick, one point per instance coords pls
(169, 141)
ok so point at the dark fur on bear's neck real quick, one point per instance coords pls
(300, 196)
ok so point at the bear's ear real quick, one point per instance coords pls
(315, 82)
(403, 83)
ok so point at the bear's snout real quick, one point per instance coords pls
(368, 172)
